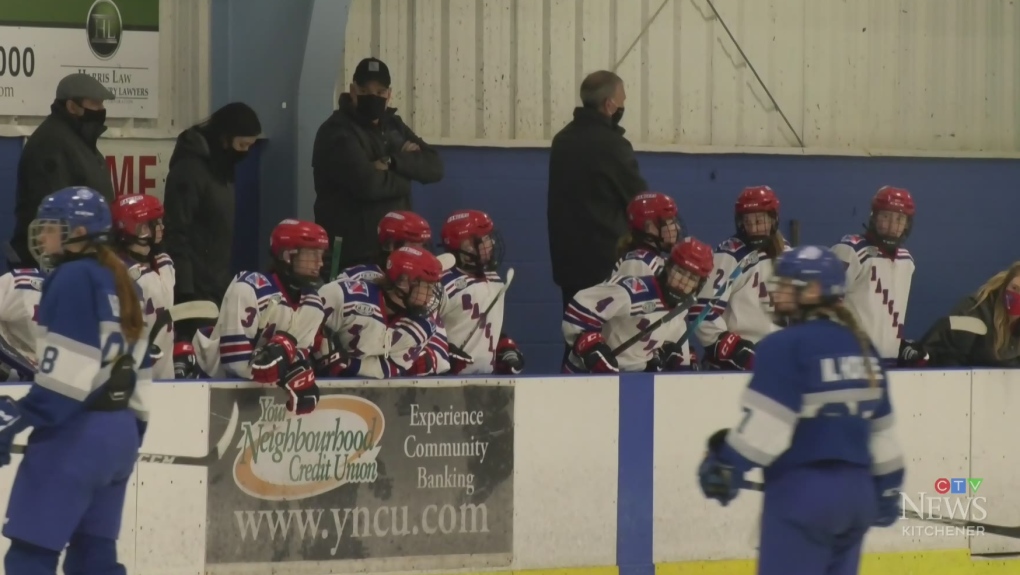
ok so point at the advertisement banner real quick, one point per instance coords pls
(115, 41)
(374, 473)
(138, 166)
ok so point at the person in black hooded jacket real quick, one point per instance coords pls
(363, 162)
(983, 330)
(199, 201)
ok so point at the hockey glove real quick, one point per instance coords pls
(911, 354)
(718, 480)
(11, 423)
(730, 352)
(888, 488)
(299, 381)
(185, 362)
(672, 358)
(509, 359)
(329, 357)
(425, 363)
(459, 359)
(595, 354)
(273, 360)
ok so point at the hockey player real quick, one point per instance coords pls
(878, 274)
(602, 317)
(817, 417)
(20, 290)
(470, 287)
(655, 228)
(88, 402)
(383, 328)
(138, 236)
(396, 230)
(281, 309)
(741, 315)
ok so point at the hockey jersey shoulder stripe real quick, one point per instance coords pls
(734, 247)
(27, 273)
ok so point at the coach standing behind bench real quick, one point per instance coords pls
(593, 175)
(363, 162)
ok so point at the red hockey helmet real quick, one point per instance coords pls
(890, 199)
(404, 226)
(129, 212)
(755, 199)
(694, 256)
(474, 226)
(414, 264)
(650, 207)
(291, 234)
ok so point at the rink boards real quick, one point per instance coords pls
(572, 475)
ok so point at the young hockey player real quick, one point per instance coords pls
(741, 316)
(655, 228)
(396, 230)
(138, 236)
(259, 306)
(470, 288)
(878, 274)
(817, 417)
(385, 328)
(20, 290)
(87, 403)
(602, 317)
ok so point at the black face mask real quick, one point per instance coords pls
(93, 124)
(371, 107)
(235, 156)
(617, 116)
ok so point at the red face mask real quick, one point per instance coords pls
(1012, 300)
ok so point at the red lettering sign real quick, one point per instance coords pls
(125, 181)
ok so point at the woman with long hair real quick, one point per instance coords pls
(983, 330)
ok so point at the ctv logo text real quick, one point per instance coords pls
(958, 506)
(957, 485)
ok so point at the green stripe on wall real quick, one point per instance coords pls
(135, 14)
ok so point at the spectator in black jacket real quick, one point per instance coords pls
(593, 175)
(363, 162)
(199, 201)
(981, 331)
(62, 153)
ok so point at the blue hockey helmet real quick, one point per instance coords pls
(64, 211)
(806, 264)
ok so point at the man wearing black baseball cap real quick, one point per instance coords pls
(62, 153)
(363, 163)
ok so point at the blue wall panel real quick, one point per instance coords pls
(964, 231)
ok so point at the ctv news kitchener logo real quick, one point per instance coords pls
(946, 511)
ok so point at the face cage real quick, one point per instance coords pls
(127, 239)
(286, 269)
(47, 262)
(675, 298)
(469, 261)
(655, 242)
(431, 305)
(757, 242)
(801, 312)
(885, 243)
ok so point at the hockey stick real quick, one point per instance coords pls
(652, 327)
(492, 304)
(334, 260)
(13, 359)
(180, 312)
(214, 454)
(1003, 530)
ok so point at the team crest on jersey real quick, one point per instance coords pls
(257, 280)
(36, 283)
(635, 285)
(363, 309)
(356, 288)
(460, 283)
(649, 306)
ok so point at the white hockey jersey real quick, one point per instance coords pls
(20, 291)
(361, 272)
(255, 307)
(745, 307)
(466, 298)
(639, 263)
(620, 308)
(355, 311)
(877, 290)
(157, 284)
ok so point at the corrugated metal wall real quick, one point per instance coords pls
(913, 75)
(183, 75)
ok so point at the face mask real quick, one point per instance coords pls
(1012, 300)
(617, 116)
(92, 124)
(371, 107)
(236, 156)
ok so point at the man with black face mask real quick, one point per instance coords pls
(363, 162)
(62, 153)
(593, 176)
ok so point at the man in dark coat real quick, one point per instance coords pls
(363, 162)
(593, 175)
(61, 153)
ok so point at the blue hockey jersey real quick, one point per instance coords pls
(809, 401)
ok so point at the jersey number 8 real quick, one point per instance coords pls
(113, 347)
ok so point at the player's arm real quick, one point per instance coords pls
(409, 351)
(69, 350)
(439, 344)
(886, 453)
(238, 327)
(713, 326)
(6, 296)
(307, 319)
(592, 308)
(140, 398)
(846, 252)
(769, 410)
